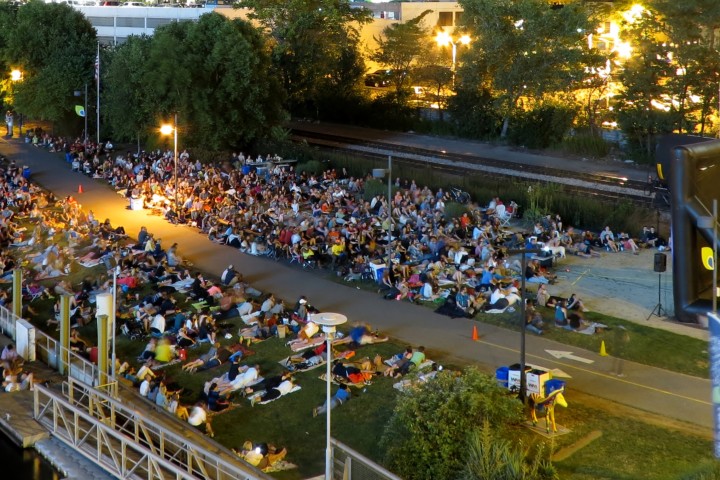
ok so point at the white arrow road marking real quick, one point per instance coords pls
(569, 356)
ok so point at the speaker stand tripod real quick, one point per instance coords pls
(658, 310)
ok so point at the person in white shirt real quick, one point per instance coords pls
(285, 387)
(241, 381)
(158, 324)
(198, 416)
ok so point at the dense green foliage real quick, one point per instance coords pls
(54, 46)
(426, 438)
(315, 50)
(214, 73)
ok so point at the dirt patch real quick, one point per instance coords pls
(568, 451)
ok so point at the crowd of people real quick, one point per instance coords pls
(265, 207)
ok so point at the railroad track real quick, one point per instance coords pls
(602, 187)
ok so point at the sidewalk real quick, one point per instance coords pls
(669, 394)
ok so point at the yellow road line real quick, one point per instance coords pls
(604, 375)
(581, 275)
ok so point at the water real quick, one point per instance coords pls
(25, 464)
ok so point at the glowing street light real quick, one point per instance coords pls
(167, 130)
(444, 39)
(16, 75)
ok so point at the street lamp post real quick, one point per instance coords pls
(329, 322)
(167, 130)
(17, 76)
(444, 39)
(523, 265)
(116, 271)
(380, 173)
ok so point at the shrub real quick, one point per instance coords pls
(310, 166)
(542, 126)
(586, 145)
(426, 438)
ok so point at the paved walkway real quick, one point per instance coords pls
(669, 394)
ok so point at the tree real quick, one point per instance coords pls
(214, 73)
(426, 438)
(641, 113)
(525, 48)
(400, 47)
(129, 110)
(54, 46)
(314, 48)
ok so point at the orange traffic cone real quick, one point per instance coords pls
(80, 190)
(603, 353)
(475, 334)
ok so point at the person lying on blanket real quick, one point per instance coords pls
(268, 384)
(307, 360)
(363, 335)
(350, 373)
(276, 392)
(241, 381)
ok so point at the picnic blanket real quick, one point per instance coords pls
(341, 381)
(279, 466)
(407, 383)
(392, 361)
(91, 263)
(300, 345)
(262, 392)
(287, 363)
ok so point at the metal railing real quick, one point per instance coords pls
(49, 351)
(100, 443)
(7, 322)
(349, 464)
(195, 460)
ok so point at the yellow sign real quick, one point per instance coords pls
(708, 259)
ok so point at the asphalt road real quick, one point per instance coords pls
(669, 394)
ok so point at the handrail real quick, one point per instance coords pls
(133, 423)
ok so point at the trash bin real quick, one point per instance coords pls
(137, 203)
(378, 270)
(536, 380)
(246, 169)
(514, 376)
(552, 385)
(282, 331)
(501, 375)
(26, 173)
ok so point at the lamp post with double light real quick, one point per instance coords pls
(167, 130)
(329, 323)
(17, 76)
(444, 39)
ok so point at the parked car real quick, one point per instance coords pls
(133, 4)
(379, 78)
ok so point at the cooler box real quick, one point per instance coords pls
(536, 381)
(501, 375)
(137, 203)
(378, 270)
(94, 355)
(514, 376)
(552, 385)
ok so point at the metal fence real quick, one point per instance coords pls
(7, 322)
(349, 464)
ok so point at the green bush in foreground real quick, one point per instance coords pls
(426, 438)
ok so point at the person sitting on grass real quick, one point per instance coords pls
(198, 417)
(574, 303)
(262, 456)
(341, 396)
(215, 402)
